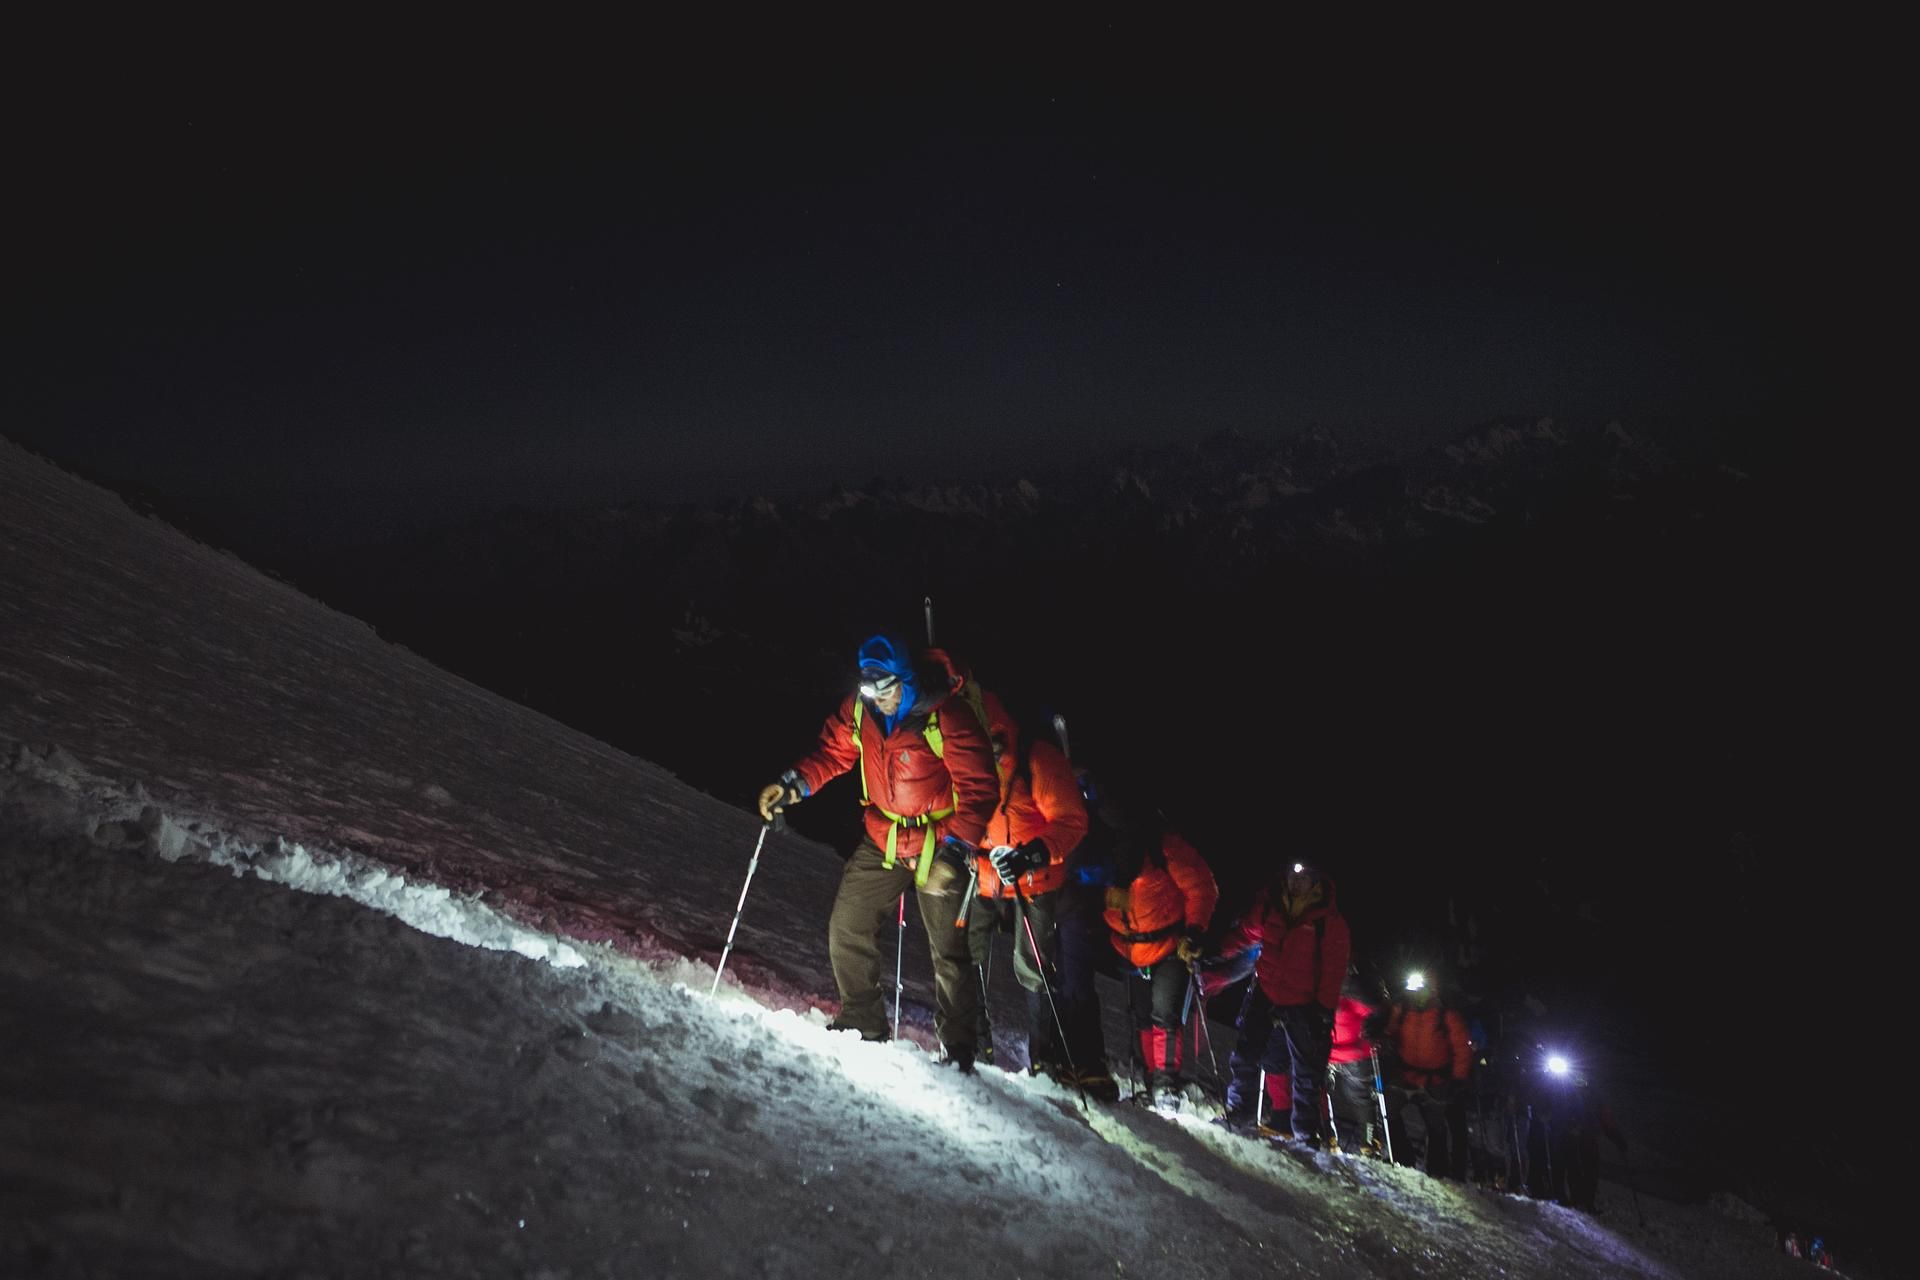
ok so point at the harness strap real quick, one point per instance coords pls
(923, 821)
(1154, 935)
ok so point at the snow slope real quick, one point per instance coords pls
(480, 1043)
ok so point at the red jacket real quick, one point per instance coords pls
(1040, 801)
(1431, 1042)
(1163, 903)
(1350, 1043)
(903, 774)
(1304, 960)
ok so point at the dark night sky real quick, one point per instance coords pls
(343, 292)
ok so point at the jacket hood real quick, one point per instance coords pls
(1321, 898)
(888, 652)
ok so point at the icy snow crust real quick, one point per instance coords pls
(510, 1066)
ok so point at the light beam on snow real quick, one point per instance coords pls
(425, 906)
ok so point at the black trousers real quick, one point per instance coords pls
(1355, 1114)
(1430, 1131)
(1563, 1162)
(987, 916)
(1158, 998)
(1081, 935)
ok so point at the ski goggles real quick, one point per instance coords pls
(876, 684)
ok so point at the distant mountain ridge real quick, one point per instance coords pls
(1302, 499)
(1381, 582)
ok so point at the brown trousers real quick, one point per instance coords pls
(862, 911)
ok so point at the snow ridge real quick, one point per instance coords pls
(95, 807)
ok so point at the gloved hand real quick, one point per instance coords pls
(952, 861)
(776, 796)
(1323, 1021)
(1188, 949)
(1118, 900)
(1010, 862)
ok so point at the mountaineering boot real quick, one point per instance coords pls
(959, 1057)
(1240, 1121)
(866, 1033)
(1099, 1084)
(1238, 1126)
(1058, 1072)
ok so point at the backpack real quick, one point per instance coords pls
(960, 684)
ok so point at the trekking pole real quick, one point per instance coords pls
(1200, 1029)
(1333, 1129)
(966, 899)
(1546, 1150)
(1477, 1149)
(739, 907)
(929, 603)
(1060, 732)
(1380, 1096)
(1040, 967)
(980, 971)
(1523, 1150)
(1633, 1190)
(1260, 1101)
(899, 957)
(1516, 1173)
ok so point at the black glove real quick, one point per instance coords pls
(1323, 1021)
(1010, 862)
(776, 796)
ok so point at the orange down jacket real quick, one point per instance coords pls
(1431, 1042)
(1039, 800)
(1169, 897)
(904, 776)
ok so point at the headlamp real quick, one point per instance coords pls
(1558, 1065)
(1416, 981)
(875, 684)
